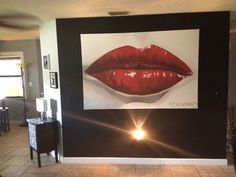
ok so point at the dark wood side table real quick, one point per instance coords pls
(43, 137)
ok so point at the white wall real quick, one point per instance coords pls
(48, 41)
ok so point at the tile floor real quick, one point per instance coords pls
(15, 162)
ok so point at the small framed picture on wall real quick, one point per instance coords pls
(46, 61)
(53, 80)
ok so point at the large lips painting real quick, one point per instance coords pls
(137, 71)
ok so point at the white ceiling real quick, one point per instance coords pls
(50, 9)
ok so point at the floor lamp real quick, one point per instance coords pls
(21, 66)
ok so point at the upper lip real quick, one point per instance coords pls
(149, 57)
(114, 67)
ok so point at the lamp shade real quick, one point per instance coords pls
(41, 105)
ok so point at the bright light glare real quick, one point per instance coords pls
(138, 134)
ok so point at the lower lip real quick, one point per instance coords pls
(138, 81)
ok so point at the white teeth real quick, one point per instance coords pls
(164, 74)
(171, 74)
(113, 73)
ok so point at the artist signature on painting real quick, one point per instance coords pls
(192, 104)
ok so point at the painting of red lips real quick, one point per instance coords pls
(157, 69)
(139, 71)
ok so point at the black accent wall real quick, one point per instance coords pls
(174, 133)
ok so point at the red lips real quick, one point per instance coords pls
(139, 71)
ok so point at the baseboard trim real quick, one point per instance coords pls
(144, 161)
